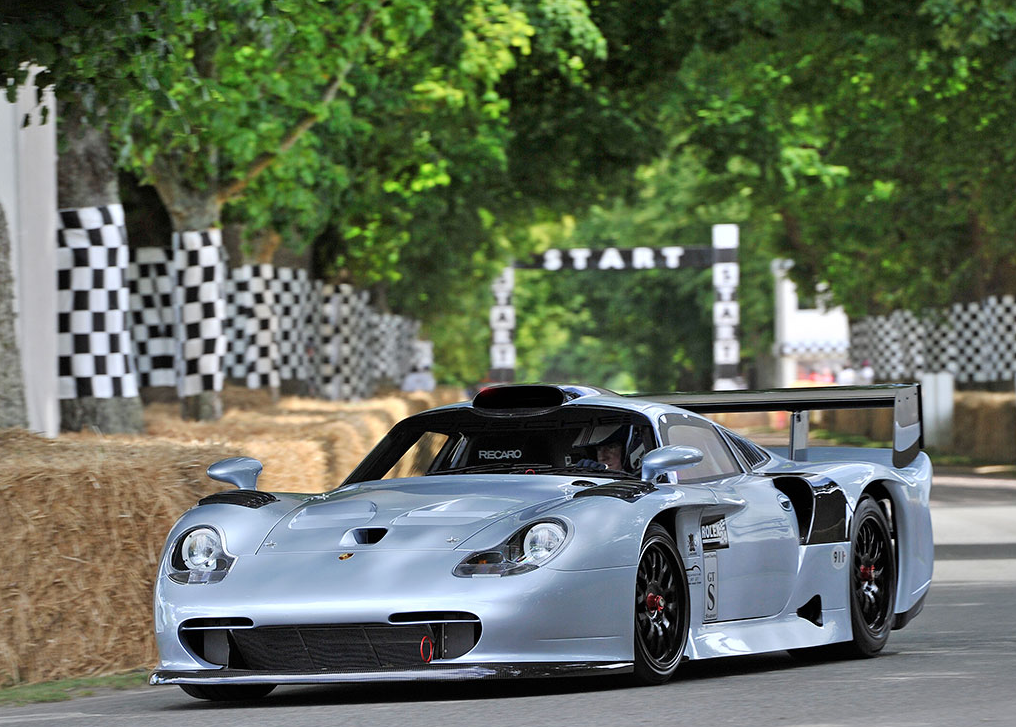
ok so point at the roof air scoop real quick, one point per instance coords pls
(511, 398)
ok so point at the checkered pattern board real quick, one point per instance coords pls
(293, 300)
(814, 348)
(93, 323)
(258, 325)
(342, 361)
(976, 342)
(200, 307)
(151, 295)
(234, 362)
(261, 354)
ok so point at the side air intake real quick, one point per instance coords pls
(812, 610)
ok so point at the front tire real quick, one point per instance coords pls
(227, 692)
(661, 608)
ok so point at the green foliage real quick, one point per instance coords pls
(870, 142)
(877, 137)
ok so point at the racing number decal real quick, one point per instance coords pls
(712, 587)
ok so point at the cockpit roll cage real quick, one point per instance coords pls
(904, 399)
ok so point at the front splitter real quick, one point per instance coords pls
(434, 672)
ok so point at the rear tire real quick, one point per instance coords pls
(872, 580)
(661, 608)
(227, 692)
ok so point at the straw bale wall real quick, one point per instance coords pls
(85, 516)
(984, 425)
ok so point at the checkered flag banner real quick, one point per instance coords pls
(200, 306)
(342, 345)
(235, 361)
(261, 353)
(93, 322)
(420, 377)
(151, 294)
(292, 291)
(386, 336)
(976, 342)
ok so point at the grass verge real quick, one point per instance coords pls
(63, 689)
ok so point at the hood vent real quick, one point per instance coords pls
(362, 536)
(246, 498)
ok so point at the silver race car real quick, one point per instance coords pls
(553, 530)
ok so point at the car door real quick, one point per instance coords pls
(748, 540)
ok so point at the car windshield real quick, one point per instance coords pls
(463, 441)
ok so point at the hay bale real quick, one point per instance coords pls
(87, 515)
(984, 426)
(85, 525)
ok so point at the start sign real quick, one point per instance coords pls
(721, 257)
(615, 258)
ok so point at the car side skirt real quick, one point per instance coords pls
(434, 672)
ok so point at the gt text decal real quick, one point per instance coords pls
(712, 589)
(500, 454)
(839, 557)
(714, 534)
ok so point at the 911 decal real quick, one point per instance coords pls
(712, 588)
(714, 533)
(839, 557)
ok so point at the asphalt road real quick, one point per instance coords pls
(954, 665)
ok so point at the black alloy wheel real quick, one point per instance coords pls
(872, 580)
(661, 608)
(227, 692)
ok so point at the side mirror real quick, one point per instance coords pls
(669, 459)
(239, 471)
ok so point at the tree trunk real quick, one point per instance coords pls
(192, 211)
(12, 387)
(87, 177)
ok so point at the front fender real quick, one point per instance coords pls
(603, 531)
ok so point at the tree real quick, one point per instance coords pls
(874, 135)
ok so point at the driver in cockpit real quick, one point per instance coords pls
(609, 452)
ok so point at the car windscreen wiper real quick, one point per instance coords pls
(511, 467)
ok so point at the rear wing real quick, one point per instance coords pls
(904, 399)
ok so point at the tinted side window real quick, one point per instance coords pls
(717, 460)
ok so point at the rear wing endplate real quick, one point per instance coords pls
(904, 399)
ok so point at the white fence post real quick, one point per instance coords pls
(937, 391)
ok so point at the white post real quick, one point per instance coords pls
(502, 328)
(937, 392)
(726, 308)
(786, 307)
(28, 195)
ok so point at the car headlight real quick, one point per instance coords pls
(199, 556)
(526, 550)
